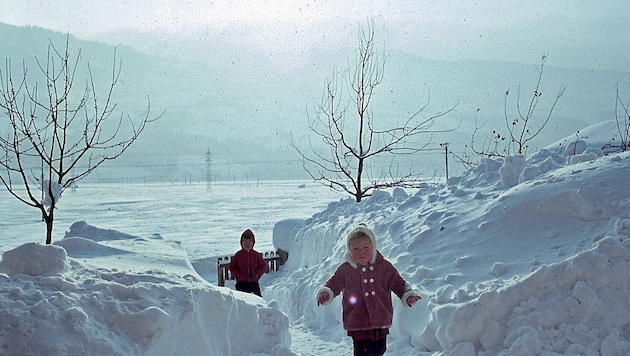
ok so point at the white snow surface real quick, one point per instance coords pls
(515, 257)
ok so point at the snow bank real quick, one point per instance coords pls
(516, 257)
(571, 306)
(34, 260)
(82, 303)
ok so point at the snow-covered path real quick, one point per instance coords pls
(306, 343)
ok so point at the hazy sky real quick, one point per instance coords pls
(578, 33)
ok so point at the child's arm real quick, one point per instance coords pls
(233, 267)
(333, 286)
(403, 289)
(409, 297)
(324, 296)
(412, 299)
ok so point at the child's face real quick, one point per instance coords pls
(361, 250)
(247, 244)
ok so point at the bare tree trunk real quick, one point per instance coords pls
(49, 218)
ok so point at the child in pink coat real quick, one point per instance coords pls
(367, 281)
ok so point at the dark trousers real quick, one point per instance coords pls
(369, 347)
(249, 287)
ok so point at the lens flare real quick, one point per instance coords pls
(352, 300)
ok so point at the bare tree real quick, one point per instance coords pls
(623, 127)
(520, 127)
(353, 142)
(60, 132)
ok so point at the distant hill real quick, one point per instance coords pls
(242, 108)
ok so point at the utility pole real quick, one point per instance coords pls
(208, 170)
(445, 145)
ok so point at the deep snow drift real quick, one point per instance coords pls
(108, 293)
(516, 257)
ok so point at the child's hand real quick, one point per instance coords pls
(413, 299)
(323, 298)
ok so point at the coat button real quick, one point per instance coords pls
(371, 280)
(364, 269)
(373, 293)
(371, 268)
(365, 281)
(367, 294)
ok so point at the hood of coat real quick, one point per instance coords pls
(248, 235)
(361, 229)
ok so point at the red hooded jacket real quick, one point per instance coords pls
(247, 266)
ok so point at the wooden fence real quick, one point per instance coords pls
(274, 260)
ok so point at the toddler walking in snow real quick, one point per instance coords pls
(367, 281)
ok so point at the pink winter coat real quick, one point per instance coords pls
(247, 266)
(367, 299)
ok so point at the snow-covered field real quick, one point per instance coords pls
(516, 257)
(208, 220)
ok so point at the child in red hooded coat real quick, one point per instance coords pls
(248, 265)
